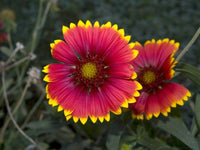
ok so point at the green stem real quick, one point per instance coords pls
(188, 45)
(15, 110)
(45, 14)
(38, 27)
(10, 40)
(11, 116)
(33, 110)
(18, 62)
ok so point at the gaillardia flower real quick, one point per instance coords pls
(95, 76)
(3, 36)
(154, 66)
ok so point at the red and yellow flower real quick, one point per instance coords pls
(3, 36)
(95, 76)
(154, 66)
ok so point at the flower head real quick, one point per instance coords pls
(95, 76)
(154, 66)
(7, 14)
(34, 74)
(3, 36)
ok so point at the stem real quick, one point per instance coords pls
(12, 55)
(9, 40)
(11, 116)
(33, 110)
(18, 62)
(45, 14)
(188, 45)
(15, 110)
(38, 27)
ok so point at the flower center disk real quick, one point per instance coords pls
(89, 70)
(149, 77)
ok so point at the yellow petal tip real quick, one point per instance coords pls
(64, 29)
(131, 45)
(88, 24)
(93, 119)
(121, 32)
(115, 27)
(125, 104)
(101, 119)
(72, 25)
(132, 100)
(136, 94)
(45, 69)
(60, 108)
(67, 112)
(57, 41)
(75, 119)
(139, 86)
(96, 24)
(118, 111)
(81, 23)
(83, 120)
(107, 117)
(52, 45)
(108, 24)
(46, 78)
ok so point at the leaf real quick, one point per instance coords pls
(113, 142)
(144, 139)
(5, 50)
(178, 129)
(153, 144)
(197, 109)
(43, 124)
(96, 148)
(194, 128)
(47, 126)
(190, 72)
(75, 146)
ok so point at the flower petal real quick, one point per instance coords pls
(57, 72)
(62, 52)
(152, 106)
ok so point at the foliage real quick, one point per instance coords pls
(38, 23)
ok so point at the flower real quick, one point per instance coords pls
(34, 75)
(7, 15)
(3, 36)
(19, 46)
(95, 76)
(154, 66)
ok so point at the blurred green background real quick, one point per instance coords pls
(143, 20)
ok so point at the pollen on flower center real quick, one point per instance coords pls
(149, 77)
(89, 70)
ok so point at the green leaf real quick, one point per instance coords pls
(153, 144)
(190, 72)
(194, 128)
(113, 142)
(149, 142)
(6, 50)
(96, 148)
(75, 146)
(177, 128)
(47, 126)
(42, 124)
(197, 109)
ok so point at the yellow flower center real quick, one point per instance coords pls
(89, 70)
(149, 77)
